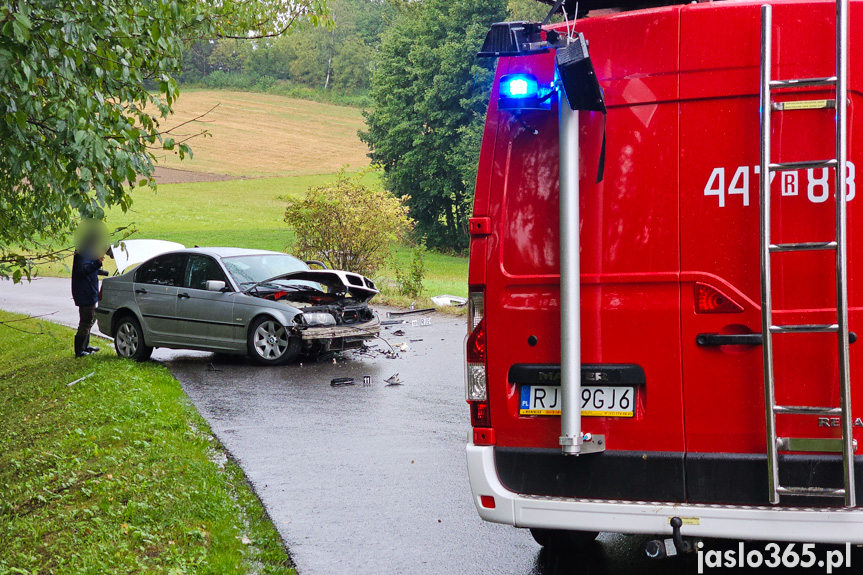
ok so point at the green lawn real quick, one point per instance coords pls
(116, 473)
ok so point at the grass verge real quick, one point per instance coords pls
(116, 473)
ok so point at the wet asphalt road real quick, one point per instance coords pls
(360, 479)
(366, 479)
(372, 479)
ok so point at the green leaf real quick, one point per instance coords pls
(22, 32)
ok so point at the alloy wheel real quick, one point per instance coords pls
(271, 340)
(127, 340)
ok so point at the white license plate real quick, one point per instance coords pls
(598, 401)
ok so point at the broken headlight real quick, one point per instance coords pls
(317, 319)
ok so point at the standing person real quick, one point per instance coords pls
(85, 292)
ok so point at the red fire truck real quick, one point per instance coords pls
(670, 350)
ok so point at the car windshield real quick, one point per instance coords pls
(248, 270)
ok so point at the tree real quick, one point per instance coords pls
(78, 124)
(350, 65)
(229, 55)
(196, 60)
(430, 96)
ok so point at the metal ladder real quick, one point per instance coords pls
(846, 444)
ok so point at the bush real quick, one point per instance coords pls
(263, 83)
(411, 283)
(348, 224)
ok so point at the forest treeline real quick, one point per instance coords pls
(334, 63)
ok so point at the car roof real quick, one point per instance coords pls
(231, 252)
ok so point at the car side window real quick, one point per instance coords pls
(203, 268)
(164, 270)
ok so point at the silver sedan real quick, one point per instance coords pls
(268, 305)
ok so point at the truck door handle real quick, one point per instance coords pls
(716, 339)
(183, 295)
(140, 290)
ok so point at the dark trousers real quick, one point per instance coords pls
(86, 319)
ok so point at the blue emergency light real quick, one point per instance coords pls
(519, 86)
(521, 92)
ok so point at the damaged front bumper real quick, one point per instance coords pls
(345, 336)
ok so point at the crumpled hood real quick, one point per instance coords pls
(359, 287)
(127, 253)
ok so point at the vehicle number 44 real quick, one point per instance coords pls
(724, 184)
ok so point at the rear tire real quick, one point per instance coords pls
(561, 539)
(129, 340)
(269, 343)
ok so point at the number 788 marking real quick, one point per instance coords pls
(818, 184)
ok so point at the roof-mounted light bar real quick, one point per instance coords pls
(517, 39)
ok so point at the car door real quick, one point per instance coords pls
(156, 285)
(207, 316)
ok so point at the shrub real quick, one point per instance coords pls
(348, 224)
(263, 83)
(411, 283)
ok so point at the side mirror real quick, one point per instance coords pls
(214, 285)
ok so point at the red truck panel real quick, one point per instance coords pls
(719, 151)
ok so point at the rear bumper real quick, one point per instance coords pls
(824, 525)
(103, 320)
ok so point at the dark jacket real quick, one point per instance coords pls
(85, 280)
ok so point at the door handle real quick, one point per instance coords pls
(140, 290)
(716, 339)
(183, 295)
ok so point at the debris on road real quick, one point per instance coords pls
(371, 352)
(398, 333)
(393, 380)
(446, 300)
(342, 381)
(409, 312)
(91, 374)
(403, 347)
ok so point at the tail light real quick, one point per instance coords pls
(708, 299)
(476, 379)
(477, 385)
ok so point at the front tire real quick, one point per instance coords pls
(129, 340)
(270, 343)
